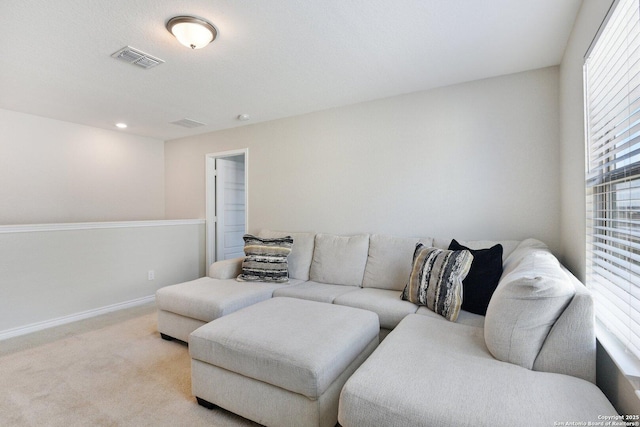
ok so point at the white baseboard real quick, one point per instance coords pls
(34, 327)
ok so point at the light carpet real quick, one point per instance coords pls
(113, 371)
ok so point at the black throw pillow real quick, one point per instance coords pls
(482, 279)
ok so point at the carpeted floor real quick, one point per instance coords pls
(112, 370)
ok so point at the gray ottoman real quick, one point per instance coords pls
(281, 362)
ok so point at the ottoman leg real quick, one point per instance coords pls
(206, 404)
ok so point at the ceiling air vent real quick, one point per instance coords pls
(187, 123)
(137, 57)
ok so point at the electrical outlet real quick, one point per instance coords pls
(151, 275)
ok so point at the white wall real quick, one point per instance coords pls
(55, 172)
(48, 275)
(58, 172)
(476, 160)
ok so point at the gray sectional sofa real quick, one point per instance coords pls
(530, 360)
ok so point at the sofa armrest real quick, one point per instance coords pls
(575, 330)
(226, 269)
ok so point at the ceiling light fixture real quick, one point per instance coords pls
(121, 125)
(192, 32)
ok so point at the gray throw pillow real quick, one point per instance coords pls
(265, 259)
(299, 260)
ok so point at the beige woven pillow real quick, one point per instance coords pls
(436, 280)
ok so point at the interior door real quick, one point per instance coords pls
(230, 207)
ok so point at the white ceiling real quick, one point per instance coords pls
(272, 59)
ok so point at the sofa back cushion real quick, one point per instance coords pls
(525, 306)
(389, 261)
(519, 253)
(301, 252)
(339, 260)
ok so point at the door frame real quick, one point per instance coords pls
(210, 199)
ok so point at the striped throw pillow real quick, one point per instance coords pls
(265, 259)
(436, 279)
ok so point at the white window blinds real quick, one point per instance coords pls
(612, 96)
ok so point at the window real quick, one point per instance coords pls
(612, 96)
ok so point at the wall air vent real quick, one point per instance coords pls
(137, 57)
(187, 123)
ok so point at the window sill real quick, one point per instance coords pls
(626, 361)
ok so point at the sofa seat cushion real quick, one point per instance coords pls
(339, 260)
(464, 317)
(387, 304)
(300, 346)
(314, 291)
(443, 375)
(207, 299)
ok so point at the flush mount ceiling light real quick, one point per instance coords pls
(192, 32)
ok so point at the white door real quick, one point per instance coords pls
(230, 208)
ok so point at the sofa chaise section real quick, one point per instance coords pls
(184, 307)
(430, 372)
(531, 358)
